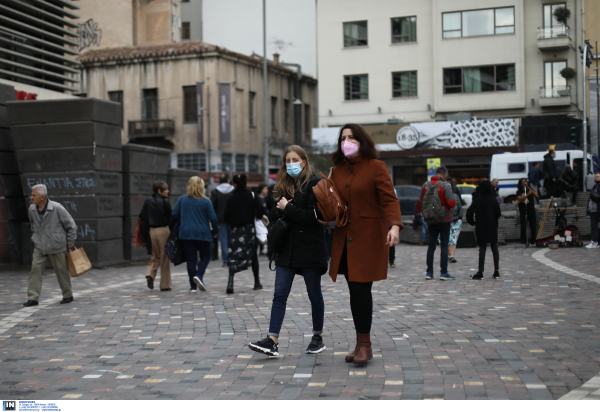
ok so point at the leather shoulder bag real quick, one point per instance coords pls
(329, 202)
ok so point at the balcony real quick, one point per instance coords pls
(151, 128)
(553, 38)
(555, 96)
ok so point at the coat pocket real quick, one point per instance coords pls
(371, 213)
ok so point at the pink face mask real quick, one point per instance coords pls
(349, 149)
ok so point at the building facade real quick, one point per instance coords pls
(496, 64)
(157, 86)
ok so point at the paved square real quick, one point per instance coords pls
(532, 334)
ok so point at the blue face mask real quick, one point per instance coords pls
(293, 169)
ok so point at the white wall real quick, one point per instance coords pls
(238, 25)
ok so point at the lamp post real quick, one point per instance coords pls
(265, 102)
(207, 109)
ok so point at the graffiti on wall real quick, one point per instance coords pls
(89, 34)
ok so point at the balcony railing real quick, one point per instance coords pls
(151, 128)
(552, 32)
(556, 91)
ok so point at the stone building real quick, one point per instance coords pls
(158, 88)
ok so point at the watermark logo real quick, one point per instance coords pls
(9, 405)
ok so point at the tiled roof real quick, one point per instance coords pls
(163, 50)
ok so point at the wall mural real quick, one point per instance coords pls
(457, 135)
(89, 34)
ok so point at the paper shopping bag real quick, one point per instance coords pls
(78, 262)
(137, 235)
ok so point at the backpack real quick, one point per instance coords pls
(432, 209)
(329, 202)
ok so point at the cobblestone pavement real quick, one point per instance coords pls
(533, 334)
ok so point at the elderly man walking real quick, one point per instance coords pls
(54, 231)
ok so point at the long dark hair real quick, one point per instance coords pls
(521, 185)
(367, 146)
(485, 188)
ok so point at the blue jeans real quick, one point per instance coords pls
(425, 228)
(284, 277)
(191, 248)
(443, 231)
(224, 232)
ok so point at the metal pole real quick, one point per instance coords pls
(584, 131)
(597, 107)
(266, 125)
(208, 132)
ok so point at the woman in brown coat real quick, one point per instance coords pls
(360, 249)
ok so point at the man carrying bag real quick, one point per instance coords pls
(54, 231)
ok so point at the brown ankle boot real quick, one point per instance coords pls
(350, 357)
(363, 351)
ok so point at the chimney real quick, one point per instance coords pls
(276, 59)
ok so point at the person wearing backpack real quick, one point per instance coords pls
(435, 205)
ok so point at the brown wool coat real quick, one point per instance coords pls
(366, 187)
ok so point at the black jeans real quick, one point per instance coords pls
(392, 257)
(594, 218)
(524, 218)
(494, 247)
(443, 230)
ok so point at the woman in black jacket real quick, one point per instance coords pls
(484, 214)
(155, 216)
(303, 252)
(240, 210)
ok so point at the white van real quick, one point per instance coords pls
(508, 168)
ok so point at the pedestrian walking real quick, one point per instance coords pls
(551, 174)
(303, 252)
(534, 177)
(484, 213)
(525, 202)
(572, 182)
(360, 249)
(54, 232)
(195, 211)
(155, 215)
(456, 225)
(593, 210)
(219, 197)
(437, 196)
(261, 194)
(241, 209)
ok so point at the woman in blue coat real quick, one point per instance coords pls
(196, 211)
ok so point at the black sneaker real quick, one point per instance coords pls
(316, 345)
(30, 303)
(477, 276)
(496, 275)
(266, 346)
(452, 259)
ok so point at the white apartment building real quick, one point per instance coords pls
(387, 64)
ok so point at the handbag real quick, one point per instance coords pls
(278, 231)
(137, 235)
(329, 202)
(173, 247)
(77, 262)
(261, 231)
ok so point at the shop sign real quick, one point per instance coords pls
(407, 137)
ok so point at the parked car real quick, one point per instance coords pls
(408, 195)
(466, 192)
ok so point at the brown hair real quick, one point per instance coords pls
(159, 185)
(367, 146)
(286, 184)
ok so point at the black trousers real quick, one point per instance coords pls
(361, 299)
(482, 247)
(530, 216)
(392, 254)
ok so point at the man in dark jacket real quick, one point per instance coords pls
(442, 229)
(219, 198)
(551, 174)
(572, 182)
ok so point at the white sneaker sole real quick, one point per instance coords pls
(447, 278)
(262, 350)
(200, 284)
(314, 352)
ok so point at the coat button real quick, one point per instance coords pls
(351, 170)
(346, 186)
(350, 240)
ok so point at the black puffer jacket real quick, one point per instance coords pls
(241, 208)
(156, 212)
(305, 243)
(484, 214)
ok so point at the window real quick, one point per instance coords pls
(251, 109)
(185, 30)
(307, 124)
(117, 96)
(286, 115)
(150, 104)
(404, 29)
(549, 19)
(190, 111)
(404, 84)
(479, 79)
(516, 167)
(275, 161)
(253, 163)
(227, 162)
(274, 115)
(192, 161)
(355, 33)
(553, 81)
(478, 22)
(356, 87)
(240, 163)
